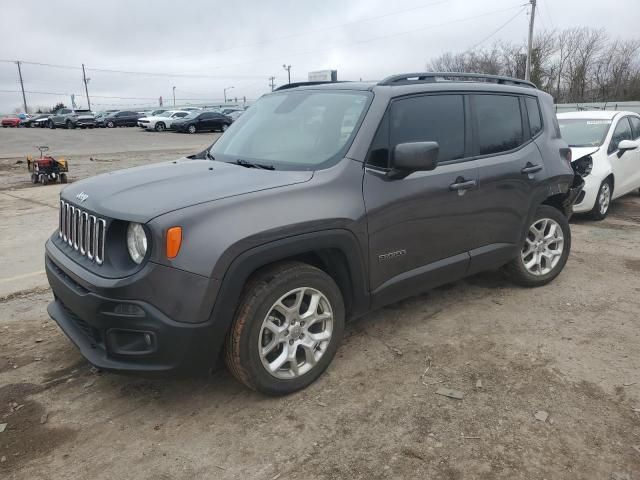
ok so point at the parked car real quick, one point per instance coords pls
(41, 122)
(259, 248)
(122, 118)
(235, 115)
(70, 118)
(153, 113)
(100, 116)
(202, 122)
(10, 121)
(610, 141)
(31, 120)
(162, 121)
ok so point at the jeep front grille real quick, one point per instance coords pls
(82, 231)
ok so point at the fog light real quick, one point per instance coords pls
(130, 342)
(128, 309)
(147, 339)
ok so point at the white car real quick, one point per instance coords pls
(612, 140)
(163, 121)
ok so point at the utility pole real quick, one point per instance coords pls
(24, 98)
(272, 83)
(527, 72)
(174, 97)
(288, 69)
(86, 89)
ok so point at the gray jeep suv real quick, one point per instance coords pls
(319, 204)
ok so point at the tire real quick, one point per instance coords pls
(248, 332)
(192, 129)
(68, 125)
(603, 201)
(110, 124)
(34, 178)
(52, 125)
(44, 179)
(224, 127)
(63, 178)
(160, 127)
(543, 248)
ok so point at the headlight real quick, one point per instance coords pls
(136, 242)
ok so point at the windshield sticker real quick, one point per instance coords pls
(599, 122)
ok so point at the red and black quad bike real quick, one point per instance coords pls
(46, 168)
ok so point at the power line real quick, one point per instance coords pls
(511, 19)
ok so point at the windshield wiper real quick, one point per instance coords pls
(246, 163)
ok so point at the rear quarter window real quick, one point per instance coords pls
(533, 113)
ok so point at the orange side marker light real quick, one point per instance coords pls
(174, 240)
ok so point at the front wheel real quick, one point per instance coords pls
(52, 125)
(603, 201)
(224, 127)
(545, 249)
(160, 127)
(110, 124)
(192, 129)
(286, 330)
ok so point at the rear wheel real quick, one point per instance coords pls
(160, 127)
(34, 178)
(51, 124)
(603, 201)
(44, 179)
(545, 249)
(63, 178)
(224, 127)
(286, 330)
(110, 124)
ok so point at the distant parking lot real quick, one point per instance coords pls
(550, 377)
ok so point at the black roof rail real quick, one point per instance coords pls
(304, 84)
(432, 77)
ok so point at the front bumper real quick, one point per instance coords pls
(85, 123)
(115, 332)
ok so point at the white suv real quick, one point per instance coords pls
(612, 141)
(163, 121)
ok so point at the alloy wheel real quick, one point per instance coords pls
(295, 333)
(543, 247)
(604, 198)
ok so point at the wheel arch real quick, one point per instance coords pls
(336, 252)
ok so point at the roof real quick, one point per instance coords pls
(594, 114)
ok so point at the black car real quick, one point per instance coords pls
(100, 117)
(122, 118)
(35, 121)
(202, 122)
(321, 204)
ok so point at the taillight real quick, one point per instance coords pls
(566, 154)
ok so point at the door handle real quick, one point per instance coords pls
(530, 168)
(461, 184)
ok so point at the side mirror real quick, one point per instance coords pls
(413, 157)
(628, 145)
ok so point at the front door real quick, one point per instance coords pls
(625, 163)
(420, 227)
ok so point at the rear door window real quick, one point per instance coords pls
(498, 123)
(430, 118)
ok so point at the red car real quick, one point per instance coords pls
(10, 122)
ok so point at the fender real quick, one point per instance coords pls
(249, 261)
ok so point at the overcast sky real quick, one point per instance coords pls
(242, 43)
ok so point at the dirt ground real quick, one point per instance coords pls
(570, 350)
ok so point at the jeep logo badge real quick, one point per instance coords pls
(82, 196)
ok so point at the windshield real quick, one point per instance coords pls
(167, 113)
(298, 130)
(584, 132)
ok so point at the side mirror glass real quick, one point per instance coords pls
(628, 145)
(413, 157)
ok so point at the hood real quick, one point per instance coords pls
(139, 194)
(579, 152)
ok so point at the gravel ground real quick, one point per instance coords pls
(567, 353)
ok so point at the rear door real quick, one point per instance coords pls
(635, 133)
(510, 168)
(420, 227)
